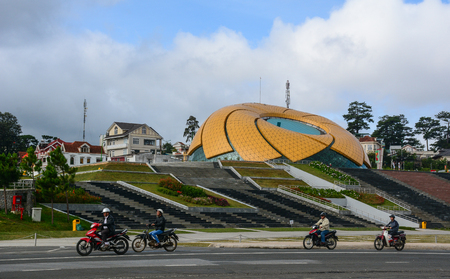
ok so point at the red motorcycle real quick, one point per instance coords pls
(93, 241)
(397, 240)
(314, 238)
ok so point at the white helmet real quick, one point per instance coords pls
(106, 210)
(160, 210)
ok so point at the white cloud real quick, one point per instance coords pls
(392, 55)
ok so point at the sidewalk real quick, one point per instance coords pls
(250, 239)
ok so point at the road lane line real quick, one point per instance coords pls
(47, 269)
(397, 262)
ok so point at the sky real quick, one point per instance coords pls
(159, 62)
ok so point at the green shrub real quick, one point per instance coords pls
(167, 191)
(194, 192)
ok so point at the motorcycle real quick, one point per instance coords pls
(397, 241)
(314, 239)
(93, 241)
(168, 240)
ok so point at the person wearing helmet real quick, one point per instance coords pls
(324, 226)
(160, 225)
(108, 226)
(392, 226)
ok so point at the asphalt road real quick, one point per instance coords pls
(64, 262)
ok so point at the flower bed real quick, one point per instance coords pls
(332, 172)
(323, 194)
(188, 193)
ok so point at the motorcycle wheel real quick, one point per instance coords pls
(84, 248)
(332, 242)
(139, 244)
(170, 244)
(308, 243)
(399, 245)
(121, 246)
(378, 244)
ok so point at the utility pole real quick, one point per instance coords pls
(84, 120)
(288, 94)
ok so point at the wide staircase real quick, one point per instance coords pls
(282, 208)
(423, 207)
(210, 176)
(423, 181)
(142, 209)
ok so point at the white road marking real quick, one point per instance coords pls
(181, 265)
(47, 269)
(397, 262)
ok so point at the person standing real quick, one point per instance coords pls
(324, 226)
(160, 226)
(108, 226)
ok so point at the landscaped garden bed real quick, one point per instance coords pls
(274, 183)
(190, 196)
(263, 173)
(325, 172)
(120, 176)
(244, 164)
(116, 166)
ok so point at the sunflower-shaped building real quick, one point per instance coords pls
(258, 132)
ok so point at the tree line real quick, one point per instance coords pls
(394, 129)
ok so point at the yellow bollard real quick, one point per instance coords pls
(75, 223)
(424, 225)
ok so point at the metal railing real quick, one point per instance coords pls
(345, 184)
(325, 204)
(22, 184)
(385, 196)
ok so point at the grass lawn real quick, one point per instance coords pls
(153, 189)
(117, 166)
(263, 173)
(120, 176)
(244, 164)
(11, 227)
(274, 183)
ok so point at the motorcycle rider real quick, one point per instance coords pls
(324, 226)
(160, 225)
(392, 226)
(108, 226)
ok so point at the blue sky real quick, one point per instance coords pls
(158, 62)
(159, 21)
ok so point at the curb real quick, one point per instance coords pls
(340, 245)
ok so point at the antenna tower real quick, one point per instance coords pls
(288, 94)
(84, 120)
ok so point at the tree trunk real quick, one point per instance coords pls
(6, 208)
(67, 202)
(52, 210)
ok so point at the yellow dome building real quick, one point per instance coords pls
(258, 132)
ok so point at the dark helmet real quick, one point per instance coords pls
(323, 214)
(392, 216)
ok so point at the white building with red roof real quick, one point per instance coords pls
(77, 153)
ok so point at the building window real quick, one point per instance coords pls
(85, 149)
(124, 152)
(125, 141)
(81, 160)
(144, 130)
(98, 160)
(116, 130)
(135, 140)
(370, 147)
(88, 160)
(112, 153)
(72, 160)
(149, 142)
